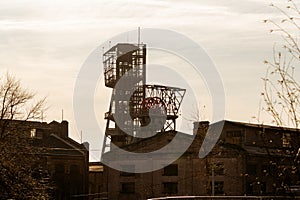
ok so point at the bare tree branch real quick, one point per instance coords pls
(281, 84)
(17, 153)
(281, 87)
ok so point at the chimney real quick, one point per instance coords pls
(64, 128)
(199, 131)
(86, 145)
(200, 128)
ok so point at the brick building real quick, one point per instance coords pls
(63, 159)
(249, 159)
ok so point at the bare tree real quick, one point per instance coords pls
(16, 101)
(281, 83)
(281, 91)
(18, 179)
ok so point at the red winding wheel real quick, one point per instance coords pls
(154, 102)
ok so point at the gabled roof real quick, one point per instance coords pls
(60, 146)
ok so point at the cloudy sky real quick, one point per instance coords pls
(45, 43)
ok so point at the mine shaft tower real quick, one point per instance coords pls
(125, 59)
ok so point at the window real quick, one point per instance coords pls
(219, 187)
(171, 170)
(39, 133)
(251, 169)
(218, 168)
(170, 188)
(286, 140)
(36, 133)
(128, 139)
(33, 133)
(234, 133)
(128, 187)
(234, 137)
(127, 170)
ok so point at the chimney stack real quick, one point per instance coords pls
(200, 128)
(64, 128)
(199, 131)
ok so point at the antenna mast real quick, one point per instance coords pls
(139, 35)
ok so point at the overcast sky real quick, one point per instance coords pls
(44, 43)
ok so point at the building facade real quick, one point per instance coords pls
(63, 160)
(248, 159)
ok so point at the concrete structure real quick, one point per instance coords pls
(248, 159)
